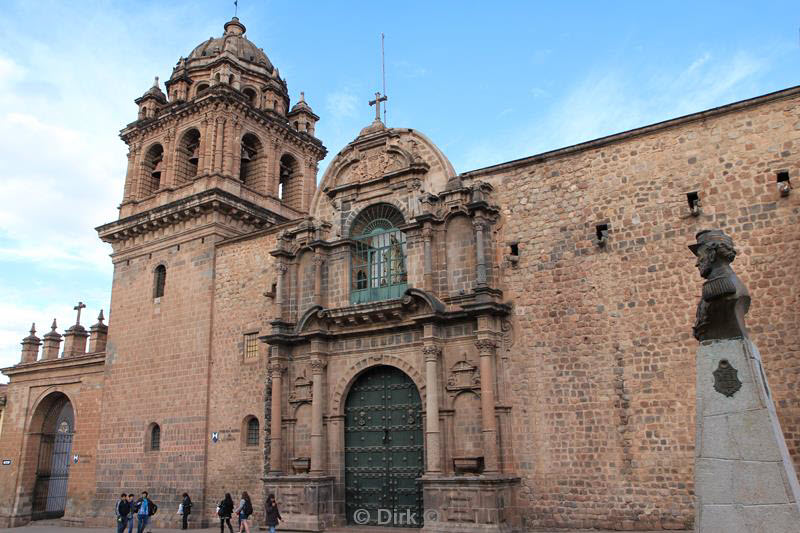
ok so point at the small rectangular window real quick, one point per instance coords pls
(252, 432)
(250, 346)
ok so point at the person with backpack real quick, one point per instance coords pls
(123, 509)
(225, 511)
(132, 504)
(186, 509)
(245, 509)
(145, 508)
(273, 515)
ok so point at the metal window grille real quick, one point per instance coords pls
(252, 432)
(250, 346)
(160, 281)
(378, 263)
(155, 438)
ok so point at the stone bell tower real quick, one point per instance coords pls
(218, 154)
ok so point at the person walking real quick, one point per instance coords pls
(244, 509)
(145, 508)
(123, 510)
(225, 512)
(132, 513)
(186, 507)
(273, 515)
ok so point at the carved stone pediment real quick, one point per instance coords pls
(463, 376)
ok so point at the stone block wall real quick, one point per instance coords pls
(28, 401)
(157, 371)
(603, 361)
(245, 271)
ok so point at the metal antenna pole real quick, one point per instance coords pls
(383, 73)
(235, 8)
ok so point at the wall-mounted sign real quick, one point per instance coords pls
(75, 458)
(6, 462)
(214, 436)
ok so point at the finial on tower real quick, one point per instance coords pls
(33, 329)
(54, 326)
(155, 82)
(100, 317)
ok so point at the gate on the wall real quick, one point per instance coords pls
(383, 450)
(52, 468)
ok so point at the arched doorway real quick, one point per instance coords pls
(52, 467)
(383, 449)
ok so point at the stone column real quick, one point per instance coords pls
(427, 237)
(276, 369)
(318, 261)
(52, 343)
(204, 159)
(317, 399)
(30, 347)
(168, 176)
(280, 290)
(130, 176)
(480, 256)
(229, 150)
(219, 139)
(433, 442)
(486, 349)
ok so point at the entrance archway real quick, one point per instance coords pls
(52, 467)
(383, 449)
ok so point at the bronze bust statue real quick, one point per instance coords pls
(725, 300)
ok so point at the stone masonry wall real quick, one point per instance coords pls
(157, 372)
(28, 401)
(603, 364)
(245, 271)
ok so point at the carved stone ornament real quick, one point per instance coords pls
(725, 300)
(431, 353)
(301, 393)
(726, 379)
(507, 337)
(463, 376)
(485, 346)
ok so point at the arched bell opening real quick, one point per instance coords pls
(152, 171)
(252, 161)
(188, 157)
(290, 187)
(54, 425)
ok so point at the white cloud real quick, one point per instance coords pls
(341, 104)
(609, 101)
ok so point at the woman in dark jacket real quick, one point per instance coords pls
(187, 509)
(225, 512)
(273, 515)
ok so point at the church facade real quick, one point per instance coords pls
(503, 349)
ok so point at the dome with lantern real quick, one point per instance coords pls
(233, 41)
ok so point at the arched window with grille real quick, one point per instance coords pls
(378, 268)
(159, 281)
(252, 432)
(155, 438)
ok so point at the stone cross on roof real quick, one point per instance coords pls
(377, 104)
(78, 308)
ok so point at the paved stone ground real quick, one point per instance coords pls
(35, 527)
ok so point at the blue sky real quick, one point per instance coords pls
(488, 82)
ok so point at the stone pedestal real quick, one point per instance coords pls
(305, 501)
(744, 478)
(470, 504)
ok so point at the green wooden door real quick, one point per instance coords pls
(383, 450)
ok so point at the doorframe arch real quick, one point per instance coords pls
(343, 386)
(38, 415)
